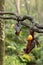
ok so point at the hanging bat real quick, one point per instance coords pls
(17, 28)
(31, 42)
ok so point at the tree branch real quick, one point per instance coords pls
(39, 26)
(7, 17)
(9, 13)
(19, 18)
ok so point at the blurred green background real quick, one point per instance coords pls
(14, 44)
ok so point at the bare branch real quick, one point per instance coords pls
(30, 27)
(37, 30)
(11, 17)
(19, 18)
(9, 13)
(39, 26)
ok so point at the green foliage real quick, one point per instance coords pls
(15, 45)
(12, 60)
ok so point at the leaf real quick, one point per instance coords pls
(11, 47)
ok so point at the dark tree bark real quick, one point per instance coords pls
(2, 35)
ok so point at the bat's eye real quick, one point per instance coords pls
(30, 37)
